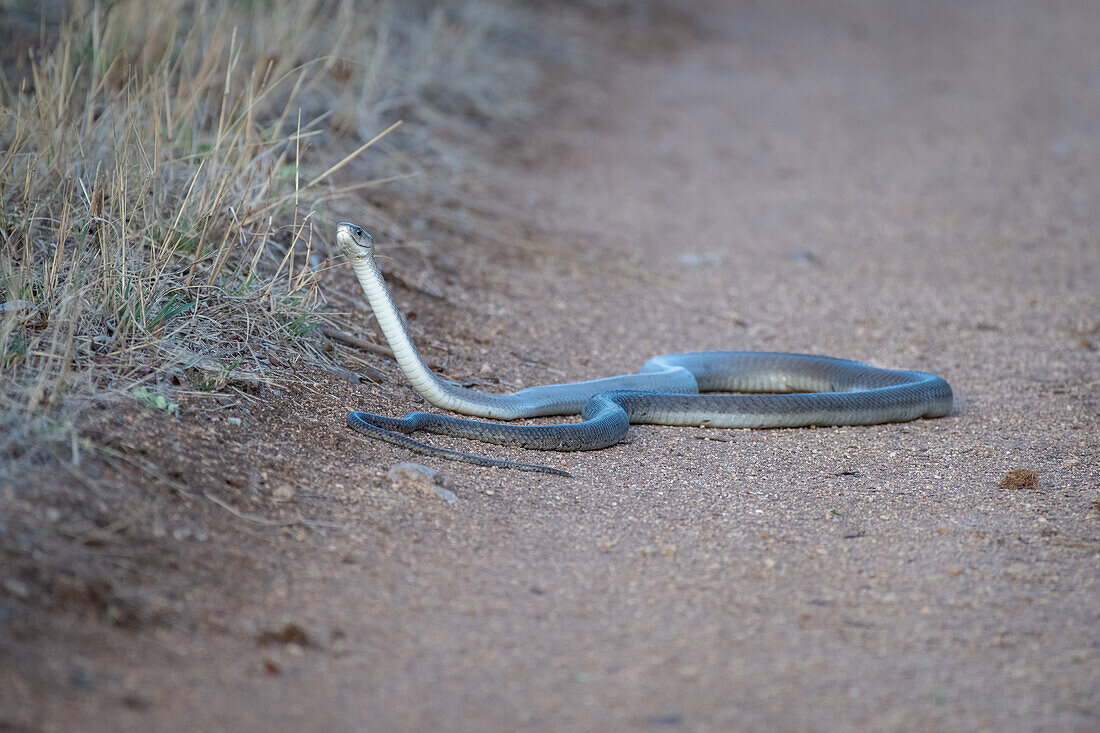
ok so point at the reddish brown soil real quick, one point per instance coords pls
(910, 184)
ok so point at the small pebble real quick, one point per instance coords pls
(422, 478)
(17, 306)
(803, 255)
(445, 494)
(17, 589)
(348, 376)
(283, 492)
(134, 701)
(408, 472)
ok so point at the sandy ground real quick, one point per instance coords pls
(909, 184)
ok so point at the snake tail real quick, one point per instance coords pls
(393, 430)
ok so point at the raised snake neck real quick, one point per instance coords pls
(801, 390)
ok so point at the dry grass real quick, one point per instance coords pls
(164, 174)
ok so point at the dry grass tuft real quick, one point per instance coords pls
(163, 184)
(1021, 478)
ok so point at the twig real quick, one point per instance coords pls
(105, 533)
(718, 438)
(346, 159)
(429, 290)
(147, 470)
(246, 516)
(263, 520)
(350, 340)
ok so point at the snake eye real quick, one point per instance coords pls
(359, 231)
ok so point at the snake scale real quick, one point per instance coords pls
(782, 390)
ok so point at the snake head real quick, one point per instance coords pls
(355, 241)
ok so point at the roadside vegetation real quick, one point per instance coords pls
(167, 177)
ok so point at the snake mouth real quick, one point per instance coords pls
(355, 241)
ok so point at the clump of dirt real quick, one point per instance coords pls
(1021, 478)
(289, 634)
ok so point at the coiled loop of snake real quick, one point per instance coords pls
(783, 390)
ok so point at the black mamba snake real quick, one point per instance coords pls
(821, 390)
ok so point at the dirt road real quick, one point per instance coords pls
(909, 184)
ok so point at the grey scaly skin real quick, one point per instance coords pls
(820, 390)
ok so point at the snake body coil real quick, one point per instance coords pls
(820, 390)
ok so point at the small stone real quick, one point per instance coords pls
(422, 478)
(348, 376)
(134, 701)
(17, 306)
(407, 472)
(803, 255)
(283, 492)
(17, 589)
(290, 633)
(79, 679)
(234, 421)
(671, 720)
(446, 495)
